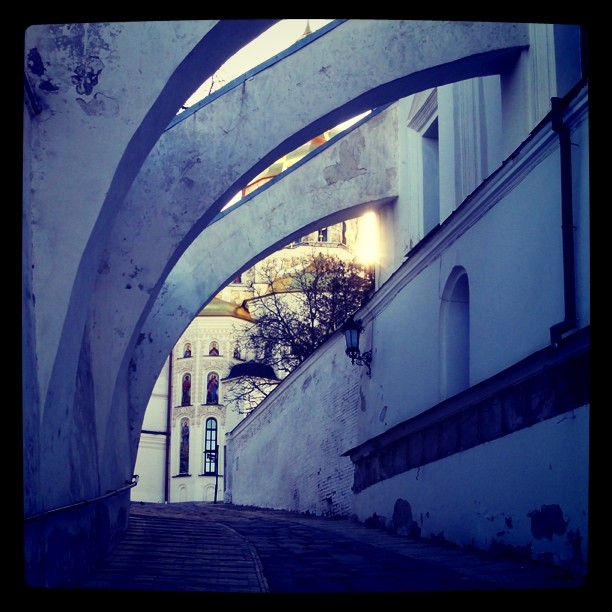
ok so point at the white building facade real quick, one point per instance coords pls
(182, 449)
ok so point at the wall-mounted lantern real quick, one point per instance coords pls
(351, 330)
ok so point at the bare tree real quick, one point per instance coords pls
(296, 306)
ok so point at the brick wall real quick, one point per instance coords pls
(288, 454)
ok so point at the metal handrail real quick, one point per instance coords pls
(129, 484)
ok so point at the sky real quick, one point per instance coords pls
(271, 42)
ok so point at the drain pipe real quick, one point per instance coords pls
(168, 430)
(567, 226)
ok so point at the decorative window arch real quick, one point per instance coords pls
(182, 493)
(212, 388)
(187, 349)
(208, 493)
(186, 390)
(455, 334)
(213, 348)
(211, 448)
(184, 447)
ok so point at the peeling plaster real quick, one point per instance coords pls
(347, 168)
(403, 521)
(35, 63)
(37, 68)
(86, 75)
(575, 542)
(547, 521)
(306, 382)
(99, 106)
(383, 414)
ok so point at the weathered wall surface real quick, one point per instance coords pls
(502, 465)
(496, 480)
(99, 96)
(113, 205)
(524, 494)
(287, 453)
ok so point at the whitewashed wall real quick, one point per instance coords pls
(489, 493)
(289, 454)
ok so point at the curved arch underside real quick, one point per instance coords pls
(164, 258)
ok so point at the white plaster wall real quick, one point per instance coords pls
(78, 131)
(151, 470)
(405, 354)
(581, 183)
(485, 494)
(513, 259)
(516, 292)
(156, 416)
(151, 462)
(507, 236)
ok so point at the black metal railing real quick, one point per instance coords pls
(86, 502)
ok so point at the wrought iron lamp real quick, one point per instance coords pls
(351, 330)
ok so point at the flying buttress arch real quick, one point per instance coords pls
(198, 164)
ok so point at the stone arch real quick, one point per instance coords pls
(208, 493)
(120, 277)
(151, 103)
(484, 49)
(180, 301)
(214, 42)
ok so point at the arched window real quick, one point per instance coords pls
(184, 447)
(322, 235)
(186, 390)
(343, 233)
(187, 350)
(212, 388)
(213, 348)
(455, 334)
(210, 447)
